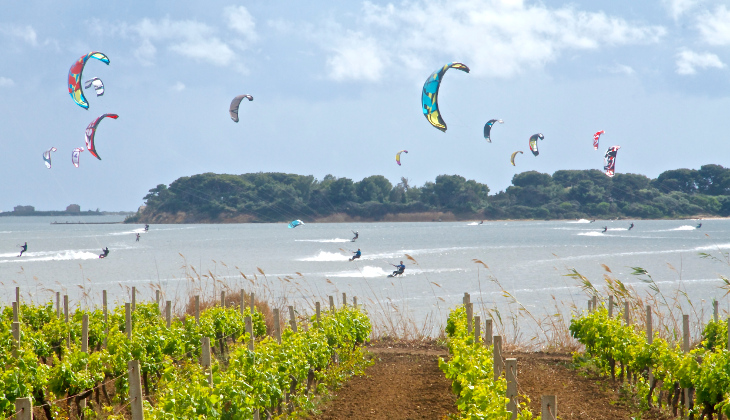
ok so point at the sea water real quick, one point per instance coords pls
(529, 259)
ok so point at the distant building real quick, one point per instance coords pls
(23, 209)
(73, 208)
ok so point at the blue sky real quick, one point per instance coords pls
(337, 90)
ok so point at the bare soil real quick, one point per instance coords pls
(406, 383)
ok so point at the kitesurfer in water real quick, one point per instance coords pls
(137, 237)
(399, 269)
(631, 226)
(146, 228)
(23, 248)
(699, 226)
(357, 235)
(605, 228)
(481, 222)
(357, 255)
(592, 221)
(105, 252)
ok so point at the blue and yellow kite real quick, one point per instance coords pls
(429, 97)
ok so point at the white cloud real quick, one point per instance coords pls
(5, 82)
(145, 53)
(25, 33)
(689, 61)
(622, 69)
(677, 8)
(715, 27)
(241, 21)
(494, 37)
(178, 87)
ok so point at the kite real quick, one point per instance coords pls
(512, 159)
(47, 157)
(397, 156)
(429, 96)
(97, 84)
(610, 160)
(75, 156)
(74, 77)
(488, 129)
(597, 137)
(233, 110)
(533, 143)
(295, 223)
(91, 134)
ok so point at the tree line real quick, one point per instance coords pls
(566, 194)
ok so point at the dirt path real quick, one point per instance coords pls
(404, 383)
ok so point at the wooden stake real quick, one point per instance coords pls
(205, 358)
(318, 309)
(16, 309)
(716, 310)
(292, 319)
(332, 304)
(469, 314)
(627, 316)
(497, 357)
(344, 299)
(134, 298)
(253, 303)
(197, 309)
(477, 329)
(58, 304)
(277, 326)
(466, 299)
(106, 315)
(511, 373)
(249, 330)
(685, 333)
(354, 302)
(128, 319)
(15, 326)
(157, 297)
(17, 294)
(594, 301)
(85, 333)
(65, 307)
(610, 306)
(223, 298)
(549, 407)
(488, 332)
(168, 313)
(24, 409)
(243, 301)
(135, 389)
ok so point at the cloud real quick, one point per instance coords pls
(178, 87)
(241, 21)
(622, 69)
(677, 8)
(498, 38)
(715, 27)
(5, 82)
(25, 33)
(689, 61)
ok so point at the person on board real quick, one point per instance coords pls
(399, 269)
(631, 226)
(699, 226)
(605, 228)
(105, 252)
(23, 248)
(357, 235)
(146, 228)
(357, 255)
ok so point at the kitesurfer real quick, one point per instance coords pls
(137, 237)
(23, 248)
(357, 235)
(605, 228)
(105, 252)
(146, 228)
(481, 222)
(357, 255)
(699, 226)
(631, 226)
(399, 269)
(592, 221)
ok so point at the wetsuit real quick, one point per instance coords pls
(631, 227)
(605, 228)
(400, 268)
(357, 235)
(699, 226)
(106, 252)
(23, 248)
(146, 228)
(357, 255)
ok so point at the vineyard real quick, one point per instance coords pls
(220, 363)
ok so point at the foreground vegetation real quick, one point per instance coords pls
(566, 194)
(66, 382)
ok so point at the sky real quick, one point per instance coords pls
(337, 88)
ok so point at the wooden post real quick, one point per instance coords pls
(135, 389)
(58, 304)
(205, 358)
(134, 298)
(511, 373)
(469, 314)
(488, 332)
(549, 407)
(344, 299)
(685, 349)
(17, 294)
(168, 313)
(197, 309)
(332, 304)
(292, 319)
(85, 333)
(716, 310)
(223, 298)
(466, 299)
(243, 301)
(249, 330)
(318, 310)
(65, 307)
(128, 319)
(627, 316)
(24, 409)
(157, 297)
(649, 339)
(354, 302)
(16, 337)
(610, 306)
(728, 334)
(277, 326)
(594, 304)
(497, 356)
(16, 309)
(589, 306)
(253, 303)
(106, 315)
(477, 328)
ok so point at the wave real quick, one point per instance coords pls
(129, 232)
(55, 256)
(592, 233)
(474, 224)
(685, 227)
(324, 240)
(326, 256)
(615, 229)
(367, 271)
(580, 221)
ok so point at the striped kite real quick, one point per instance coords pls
(75, 156)
(610, 160)
(597, 137)
(91, 134)
(74, 77)
(47, 157)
